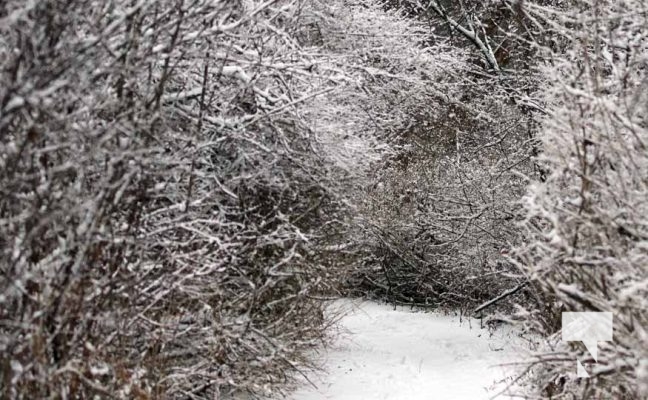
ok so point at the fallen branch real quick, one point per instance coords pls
(504, 295)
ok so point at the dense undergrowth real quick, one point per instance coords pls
(183, 182)
(445, 212)
(164, 208)
(586, 227)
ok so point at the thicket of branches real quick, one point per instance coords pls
(165, 208)
(446, 210)
(564, 111)
(182, 180)
(586, 227)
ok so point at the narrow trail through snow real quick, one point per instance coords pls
(389, 354)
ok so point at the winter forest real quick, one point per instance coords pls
(187, 185)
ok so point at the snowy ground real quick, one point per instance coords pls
(390, 354)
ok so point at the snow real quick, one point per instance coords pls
(399, 354)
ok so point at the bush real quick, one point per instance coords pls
(443, 209)
(586, 227)
(162, 202)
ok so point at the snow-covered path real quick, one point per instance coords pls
(390, 354)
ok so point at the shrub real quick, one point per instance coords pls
(162, 201)
(586, 228)
(444, 207)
